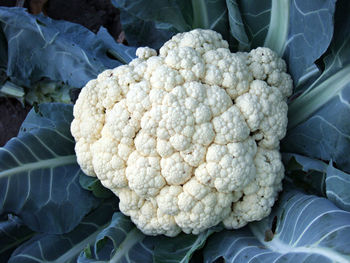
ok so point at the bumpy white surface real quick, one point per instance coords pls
(189, 138)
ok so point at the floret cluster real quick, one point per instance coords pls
(188, 138)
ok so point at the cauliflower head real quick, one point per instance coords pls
(188, 138)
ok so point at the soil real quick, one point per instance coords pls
(89, 13)
(12, 114)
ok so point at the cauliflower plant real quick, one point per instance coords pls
(188, 138)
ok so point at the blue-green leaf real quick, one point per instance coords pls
(301, 31)
(41, 47)
(173, 12)
(139, 32)
(237, 29)
(12, 234)
(66, 247)
(94, 185)
(39, 175)
(121, 241)
(319, 118)
(323, 178)
(256, 18)
(213, 14)
(306, 173)
(301, 228)
(151, 23)
(338, 187)
(298, 30)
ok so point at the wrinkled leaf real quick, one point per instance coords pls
(173, 12)
(319, 118)
(324, 178)
(12, 234)
(41, 47)
(338, 187)
(139, 32)
(213, 14)
(256, 18)
(300, 31)
(151, 23)
(306, 173)
(39, 175)
(121, 241)
(66, 247)
(237, 29)
(301, 228)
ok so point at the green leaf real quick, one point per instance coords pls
(211, 14)
(39, 175)
(338, 187)
(94, 185)
(39, 47)
(237, 29)
(121, 241)
(300, 31)
(173, 12)
(151, 23)
(306, 173)
(139, 32)
(256, 18)
(66, 247)
(301, 228)
(12, 234)
(318, 119)
(324, 178)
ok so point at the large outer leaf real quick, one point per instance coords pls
(316, 175)
(213, 14)
(301, 228)
(66, 247)
(319, 118)
(256, 18)
(12, 234)
(172, 12)
(39, 176)
(139, 32)
(300, 31)
(121, 241)
(41, 47)
(151, 22)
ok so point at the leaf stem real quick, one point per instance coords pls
(279, 25)
(200, 14)
(309, 102)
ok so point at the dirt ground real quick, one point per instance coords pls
(89, 13)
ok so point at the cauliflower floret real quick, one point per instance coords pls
(228, 71)
(230, 126)
(145, 52)
(201, 207)
(265, 110)
(266, 65)
(229, 167)
(259, 196)
(175, 170)
(143, 174)
(189, 138)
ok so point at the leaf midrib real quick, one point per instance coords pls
(42, 164)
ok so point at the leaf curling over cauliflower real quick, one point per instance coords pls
(188, 138)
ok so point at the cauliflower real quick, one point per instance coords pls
(188, 138)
